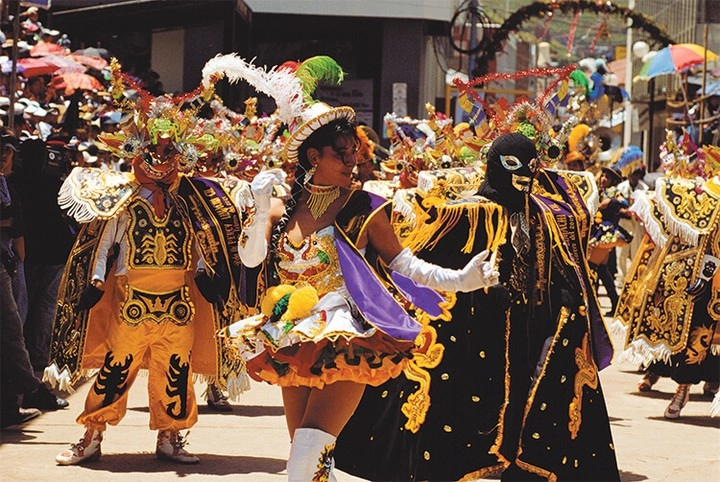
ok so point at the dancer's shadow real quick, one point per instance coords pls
(698, 421)
(631, 476)
(210, 464)
(241, 410)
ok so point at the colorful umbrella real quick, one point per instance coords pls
(97, 63)
(76, 81)
(675, 58)
(65, 63)
(44, 48)
(31, 67)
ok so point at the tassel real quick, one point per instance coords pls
(62, 380)
(640, 352)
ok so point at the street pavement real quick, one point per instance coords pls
(251, 442)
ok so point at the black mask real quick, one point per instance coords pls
(511, 166)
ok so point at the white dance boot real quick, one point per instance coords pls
(86, 450)
(311, 456)
(170, 446)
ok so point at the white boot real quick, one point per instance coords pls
(311, 456)
(170, 447)
(86, 450)
(715, 407)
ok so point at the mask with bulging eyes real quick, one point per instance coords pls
(159, 160)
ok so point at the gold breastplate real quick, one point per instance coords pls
(315, 262)
(157, 243)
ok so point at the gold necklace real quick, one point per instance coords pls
(320, 198)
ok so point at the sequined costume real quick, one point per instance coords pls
(151, 314)
(508, 385)
(331, 317)
(658, 316)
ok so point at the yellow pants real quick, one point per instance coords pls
(151, 328)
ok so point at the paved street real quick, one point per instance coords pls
(251, 442)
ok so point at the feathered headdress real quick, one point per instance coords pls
(682, 158)
(291, 85)
(534, 119)
(630, 160)
(154, 120)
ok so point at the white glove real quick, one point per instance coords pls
(252, 245)
(477, 274)
(262, 187)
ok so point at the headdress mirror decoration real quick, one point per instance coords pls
(533, 119)
(158, 130)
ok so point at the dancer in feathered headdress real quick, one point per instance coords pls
(154, 274)
(331, 324)
(669, 306)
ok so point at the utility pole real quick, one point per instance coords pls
(473, 37)
(15, 12)
(627, 127)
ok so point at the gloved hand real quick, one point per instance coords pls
(708, 269)
(476, 274)
(90, 297)
(252, 245)
(206, 286)
(262, 187)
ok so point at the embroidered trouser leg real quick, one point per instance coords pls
(162, 345)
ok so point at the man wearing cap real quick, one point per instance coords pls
(606, 232)
(632, 166)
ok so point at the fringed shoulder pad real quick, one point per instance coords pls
(645, 207)
(90, 193)
(688, 208)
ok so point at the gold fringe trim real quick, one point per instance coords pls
(495, 449)
(426, 235)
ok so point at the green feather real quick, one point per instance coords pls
(318, 69)
(579, 78)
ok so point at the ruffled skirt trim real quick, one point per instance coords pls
(331, 344)
(370, 361)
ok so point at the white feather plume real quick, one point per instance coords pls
(288, 94)
(280, 84)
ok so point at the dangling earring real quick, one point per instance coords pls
(308, 175)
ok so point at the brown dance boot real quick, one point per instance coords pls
(678, 401)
